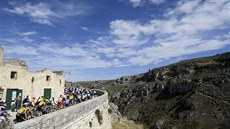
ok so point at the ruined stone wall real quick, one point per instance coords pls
(80, 116)
(15, 62)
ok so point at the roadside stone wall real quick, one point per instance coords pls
(80, 116)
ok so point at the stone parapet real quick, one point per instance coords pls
(71, 116)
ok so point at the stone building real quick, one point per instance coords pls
(17, 80)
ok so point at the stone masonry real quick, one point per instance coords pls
(15, 77)
(79, 116)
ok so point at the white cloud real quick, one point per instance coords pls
(76, 63)
(180, 33)
(116, 62)
(227, 35)
(128, 33)
(85, 28)
(18, 40)
(45, 13)
(132, 42)
(20, 50)
(125, 52)
(203, 18)
(185, 7)
(157, 2)
(171, 48)
(55, 56)
(71, 51)
(40, 12)
(108, 51)
(10, 40)
(136, 2)
(27, 33)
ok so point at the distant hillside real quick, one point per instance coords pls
(191, 94)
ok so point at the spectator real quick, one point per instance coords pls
(60, 102)
(32, 108)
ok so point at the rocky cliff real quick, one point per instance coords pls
(191, 94)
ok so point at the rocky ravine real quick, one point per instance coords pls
(192, 94)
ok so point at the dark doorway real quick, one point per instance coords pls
(11, 95)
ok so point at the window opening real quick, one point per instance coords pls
(48, 78)
(13, 75)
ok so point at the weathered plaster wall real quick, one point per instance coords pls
(24, 81)
(33, 87)
(29, 87)
(78, 116)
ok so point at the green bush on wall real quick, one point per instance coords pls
(90, 124)
(110, 110)
(99, 116)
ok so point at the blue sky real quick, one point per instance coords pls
(106, 39)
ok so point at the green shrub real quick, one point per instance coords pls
(99, 116)
(90, 124)
(110, 110)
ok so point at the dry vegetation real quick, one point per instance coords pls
(192, 94)
(126, 124)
